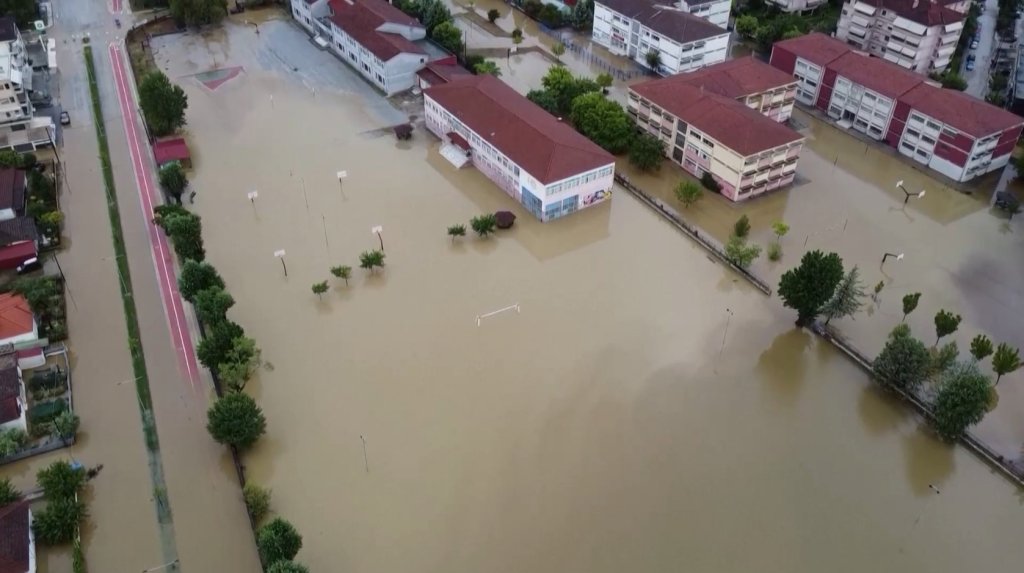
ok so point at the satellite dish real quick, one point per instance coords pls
(40, 25)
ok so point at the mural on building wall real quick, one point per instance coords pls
(596, 197)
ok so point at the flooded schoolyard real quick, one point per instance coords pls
(644, 410)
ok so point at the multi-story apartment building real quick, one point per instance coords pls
(536, 159)
(15, 78)
(375, 38)
(683, 42)
(725, 120)
(919, 35)
(797, 5)
(946, 130)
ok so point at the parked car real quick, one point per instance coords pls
(974, 44)
(1007, 202)
(970, 65)
(29, 265)
(65, 118)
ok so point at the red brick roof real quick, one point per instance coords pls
(923, 12)
(442, 71)
(816, 48)
(535, 140)
(733, 78)
(674, 24)
(14, 526)
(730, 122)
(12, 189)
(15, 316)
(878, 75)
(961, 111)
(171, 149)
(360, 19)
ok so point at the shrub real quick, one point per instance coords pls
(371, 259)
(66, 425)
(197, 276)
(287, 567)
(709, 183)
(277, 541)
(493, 15)
(236, 420)
(61, 481)
(11, 441)
(741, 228)
(484, 224)
(774, 252)
(58, 522)
(8, 493)
(257, 501)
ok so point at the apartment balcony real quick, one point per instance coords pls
(864, 8)
(945, 52)
(860, 21)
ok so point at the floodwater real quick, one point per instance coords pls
(644, 410)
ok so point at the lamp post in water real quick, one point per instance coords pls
(377, 231)
(280, 254)
(886, 256)
(908, 194)
(341, 177)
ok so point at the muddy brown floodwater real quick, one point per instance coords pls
(645, 411)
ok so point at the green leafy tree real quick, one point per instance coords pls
(12, 440)
(212, 304)
(370, 260)
(186, 232)
(981, 347)
(236, 420)
(287, 567)
(60, 480)
(847, 299)
(878, 290)
(582, 15)
(163, 103)
(493, 15)
(560, 89)
(65, 425)
(780, 229)
(213, 349)
(241, 361)
(433, 13)
(456, 231)
(257, 501)
(545, 100)
(551, 16)
(740, 253)
(1005, 360)
(774, 251)
(604, 80)
(484, 224)
(904, 362)
(558, 50)
(24, 12)
(8, 493)
(808, 287)
(487, 67)
(319, 289)
(603, 121)
(944, 359)
(646, 152)
(688, 192)
(58, 522)
(909, 304)
(197, 276)
(741, 228)
(343, 272)
(953, 81)
(199, 12)
(517, 34)
(946, 323)
(173, 180)
(448, 36)
(278, 541)
(653, 59)
(747, 25)
(963, 398)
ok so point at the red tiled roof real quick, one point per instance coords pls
(15, 316)
(816, 48)
(531, 137)
(12, 189)
(440, 73)
(923, 12)
(172, 149)
(732, 123)
(733, 78)
(961, 111)
(675, 24)
(14, 526)
(16, 253)
(883, 77)
(360, 19)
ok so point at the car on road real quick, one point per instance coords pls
(29, 265)
(974, 44)
(970, 65)
(65, 118)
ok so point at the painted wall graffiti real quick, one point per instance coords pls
(596, 197)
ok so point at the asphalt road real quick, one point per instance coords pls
(977, 80)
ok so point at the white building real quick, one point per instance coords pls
(918, 35)
(375, 38)
(797, 5)
(19, 128)
(541, 162)
(714, 11)
(683, 42)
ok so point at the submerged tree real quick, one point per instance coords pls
(963, 398)
(172, 180)
(277, 541)
(688, 192)
(484, 224)
(809, 286)
(740, 253)
(370, 260)
(909, 304)
(319, 289)
(946, 323)
(236, 420)
(1005, 360)
(847, 298)
(342, 272)
(981, 347)
(163, 103)
(456, 231)
(904, 362)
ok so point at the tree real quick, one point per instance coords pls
(962, 400)
(214, 348)
(198, 12)
(172, 180)
(163, 103)
(241, 360)
(12, 440)
(740, 253)
(287, 567)
(953, 81)
(688, 193)
(65, 425)
(432, 13)
(909, 304)
(603, 121)
(517, 34)
(370, 260)
(24, 12)
(277, 541)
(558, 50)
(448, 36)
(456, 231)
(792, 33)
(774, 251)
(8, 493)
(545, 100)
(186, 232)
(257, 501)
(562, 88)
(747, 25)
(847, 299)
(806, 288)
(487, 67)
(780, 229)
(493, 15)
(604, 80)
(1005, 360)
(60, 480)
(319, 289)
(904, 362)
(484, 224)
(197, 276)
(709, 183)
(582, 15)
(981, 347)
(741, 228)
(646, 151)
(878, 290)
(236, 420)
(946, 323)
(653, 59)
(342, 272)
(58, 522)
(551, 16)
(944, 359)
(212, 304)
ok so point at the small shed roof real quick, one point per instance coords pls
(171, 149)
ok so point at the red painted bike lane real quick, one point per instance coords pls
(163, 259)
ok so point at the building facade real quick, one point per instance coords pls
(542, 163)
(15, 78)
(951, 132)
(797, 5)
(683, 42)
(726, 121)
(373, 37)
(918, 35)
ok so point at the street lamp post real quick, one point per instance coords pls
(725, 334)
(377, 231)
(886, 256)
(280, 254)
(341, 177)
(907, 194)
(252, 195)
